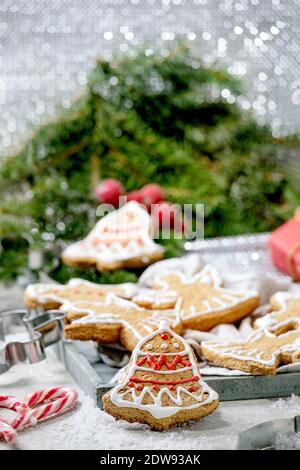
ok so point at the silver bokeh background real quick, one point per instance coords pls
(48, 46)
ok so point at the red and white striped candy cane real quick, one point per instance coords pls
(7, 431)
(46, 395)
(11, 403)
(53, 402)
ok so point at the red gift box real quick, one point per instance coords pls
(284, 244)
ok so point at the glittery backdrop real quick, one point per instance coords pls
(47, 47)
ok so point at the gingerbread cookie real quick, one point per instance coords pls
(204, 302)
(261, 353)
(284, 306)
(121, 239)
(162, 387)
(115, 320)
(48, 296)
(152, 299)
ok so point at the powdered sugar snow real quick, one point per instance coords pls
(288, 442)
(88, 427)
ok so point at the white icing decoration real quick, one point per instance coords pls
(137, 226)
(164, 346)
(236, 350)
(228, 298)
(164, 372)
(176, 345)
(148, 328)
(39, 293)
(281, 299)
(157, 410)
(154, 297)
(149, 346)
(148, 324)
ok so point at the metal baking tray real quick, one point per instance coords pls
(94, 379)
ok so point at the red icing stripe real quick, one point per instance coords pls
(162, 361)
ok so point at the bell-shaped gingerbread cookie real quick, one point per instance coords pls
(162, 386)
(121, 239)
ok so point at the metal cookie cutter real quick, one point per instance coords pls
(262, 436)
(41, 330)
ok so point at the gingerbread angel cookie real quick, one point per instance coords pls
(115, 320)
(162, 386)
(262, 353)
(284, 306)
(204, 302)
(48, 296)
(151, 298)
(121, 239)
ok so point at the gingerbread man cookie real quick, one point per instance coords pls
(261, 353)
(48, 296)
(121, 239)
(284, 306)
(162, 387)
(204, 302)
(115, 320)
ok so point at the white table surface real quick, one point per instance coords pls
(91, 428)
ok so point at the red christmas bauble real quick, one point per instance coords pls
(135, 196)
(164, 215)
(109, 191)
(152, 194)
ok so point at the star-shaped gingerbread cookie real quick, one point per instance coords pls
(262, 353)
(204, 302)
(48, 296)
(284, 306)
(115, 320)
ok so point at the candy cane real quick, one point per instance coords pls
(7, 431)
(11, 403)
(53, 402)
(43, 396)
